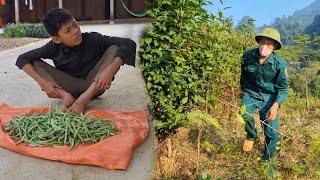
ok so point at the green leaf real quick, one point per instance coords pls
(141, 50)
(164, 28)
(271, 171)
(157, 52)
(214, 122)
(241, 120)
(180, 60)
(148, 40)
(156, 43)
(243, 109)
(184, 100)
(220, 14)
(189, 27)
(171, 32)
(179, 69)
(145, 56)
(167, 2)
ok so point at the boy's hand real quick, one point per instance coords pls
(273, 111)
(50, 89)
(103, 81)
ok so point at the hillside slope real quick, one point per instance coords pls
(306, 15)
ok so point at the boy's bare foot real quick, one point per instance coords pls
(67, 101)
(77, 108)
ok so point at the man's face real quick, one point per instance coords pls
(269, 43)
(69, 33)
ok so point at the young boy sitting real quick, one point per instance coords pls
(85, 63)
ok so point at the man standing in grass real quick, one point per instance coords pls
(264, 85)
(85, 63)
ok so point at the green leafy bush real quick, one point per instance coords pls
(188, 57)
(36, 30)
(15, 30)
(25, 30)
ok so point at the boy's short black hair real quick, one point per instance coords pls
(54, 19)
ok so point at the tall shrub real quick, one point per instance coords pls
(187, 57)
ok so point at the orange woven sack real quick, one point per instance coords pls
(112, 153)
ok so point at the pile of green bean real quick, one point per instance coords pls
(57, 128)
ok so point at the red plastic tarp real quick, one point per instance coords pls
(112, 153)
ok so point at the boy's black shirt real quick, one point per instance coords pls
(79, 60)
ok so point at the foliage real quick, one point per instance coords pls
(204, 176)
(187, 57)
(15, 30)
(169, 57)
(271, 171)
(303, 60)
(36, 30)
(315, 147)
(287, 28)
(25, 30)
(246, 24)
(198, 116)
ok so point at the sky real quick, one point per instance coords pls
(264, 12)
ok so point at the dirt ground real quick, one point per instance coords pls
(9, 43)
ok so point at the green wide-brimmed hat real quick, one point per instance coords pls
(272, 34)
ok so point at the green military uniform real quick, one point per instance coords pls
(262, 86)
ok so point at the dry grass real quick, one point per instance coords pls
(220, 155)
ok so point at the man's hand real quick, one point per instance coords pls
(50, 89)
(103, 80)
(273, 111)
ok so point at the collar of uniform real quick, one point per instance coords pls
(270, 58)
(256, 52)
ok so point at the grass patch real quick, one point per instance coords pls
(218, 152)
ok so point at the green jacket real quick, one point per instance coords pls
(264, 81)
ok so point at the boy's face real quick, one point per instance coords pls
(69, 34)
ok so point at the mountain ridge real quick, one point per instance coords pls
(306, 15)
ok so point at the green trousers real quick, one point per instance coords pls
(271, 136)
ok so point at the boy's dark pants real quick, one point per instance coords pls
(75, 86)
(271, 136)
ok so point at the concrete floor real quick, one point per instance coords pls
(128, 92)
